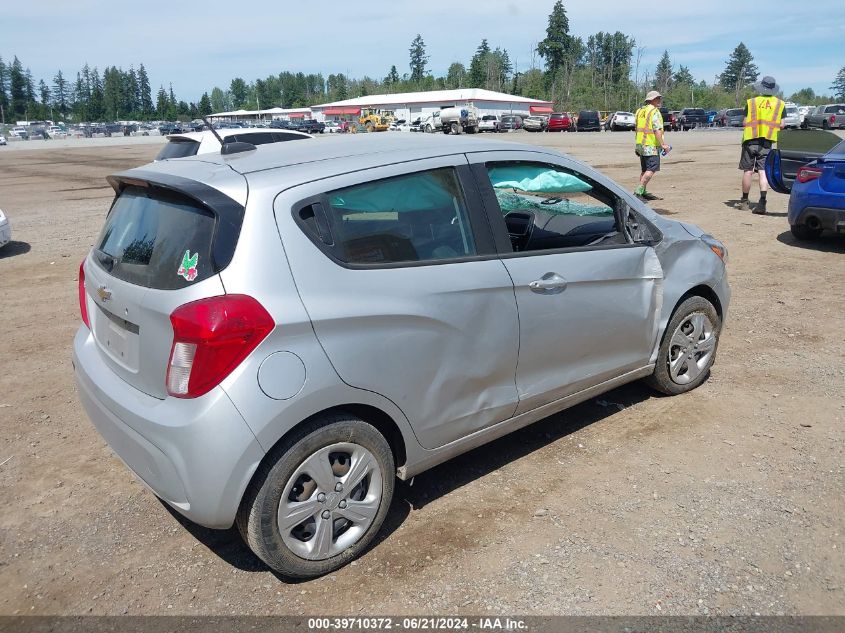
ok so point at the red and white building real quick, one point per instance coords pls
(410, 105)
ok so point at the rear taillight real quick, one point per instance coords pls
(211, 337)
(806, 174)
(833, 119)
(83, 299)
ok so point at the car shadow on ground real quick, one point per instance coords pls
(443, 479)
(459, 471)
(14, 248)
(827, 243)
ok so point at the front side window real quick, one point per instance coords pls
(548, 207)
(413, 218)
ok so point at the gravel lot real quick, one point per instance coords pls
(727, 500)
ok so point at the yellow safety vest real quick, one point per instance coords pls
(764, 118)
(645, 125)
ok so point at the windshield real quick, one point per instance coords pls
(838, 151)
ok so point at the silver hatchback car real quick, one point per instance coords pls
(272, 336)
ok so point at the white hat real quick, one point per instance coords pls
(651, 96)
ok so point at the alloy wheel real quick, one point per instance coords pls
(330, 501)
(691, 348)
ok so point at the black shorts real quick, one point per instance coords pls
(650, 163)
(754, 152)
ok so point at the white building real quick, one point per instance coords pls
(262, 115)
(410, 105)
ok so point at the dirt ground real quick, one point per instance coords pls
(727, 500)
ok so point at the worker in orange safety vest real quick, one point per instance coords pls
(763, 121)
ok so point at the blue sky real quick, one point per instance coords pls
(207, 44)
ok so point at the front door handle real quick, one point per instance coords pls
(550, 283)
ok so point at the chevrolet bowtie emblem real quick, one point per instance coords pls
(103, 293)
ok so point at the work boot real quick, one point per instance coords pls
(743, 205)
(760, 209)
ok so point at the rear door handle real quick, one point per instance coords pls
(550, 283)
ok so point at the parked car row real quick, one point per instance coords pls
(826, 117)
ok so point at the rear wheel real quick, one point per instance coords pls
(320, 498)
(688, 348)
(825, 125)
(428, 129)
(455, 128)
(804, 232)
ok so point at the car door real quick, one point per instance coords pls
(795, 149)
(398, 272)
(588, 297)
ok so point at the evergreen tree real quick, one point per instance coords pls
(218, 100)
(557, 48)
(418, 59)
(838, 85)
(17, 90)
(61, 98)
(456, 75)
(683, 77)
(477, 76)
(739, 70)
(238, 90)
(80, 99)
(162, 103)
(663, 74)
(96, 109)
(204, 107)
(44, 93)
(145, 95)
(4, 88)
(131, 93)
(392, 79)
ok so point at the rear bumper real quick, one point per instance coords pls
(197, 455)
(819, 217)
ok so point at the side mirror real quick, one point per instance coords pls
(774, 172)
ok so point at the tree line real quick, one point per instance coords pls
(602, 71)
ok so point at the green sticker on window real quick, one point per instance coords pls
(188, 267)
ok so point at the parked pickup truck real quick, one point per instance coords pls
(310, 126)
(692, 117)
(827, 117)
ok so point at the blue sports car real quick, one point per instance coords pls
(810, 166)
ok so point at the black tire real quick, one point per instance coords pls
(803, 232)
(660, 380)
(455, 128)
(825, 125)
(257, 517)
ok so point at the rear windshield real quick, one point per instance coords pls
(695, 111)
(588, 114)
(792, 110)
(178, 148)
(557, 116)
(735, 112)
(488, 117)
(835, 109)
(157, 240)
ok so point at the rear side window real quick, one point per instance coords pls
(415, 218)
(157, 240)
(178, 148)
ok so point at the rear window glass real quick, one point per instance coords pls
(735, 112)
(835, 109)
(178, 148)
(156, 240)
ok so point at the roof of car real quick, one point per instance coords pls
(356, 147)
(224, 132)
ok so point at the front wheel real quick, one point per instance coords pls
(428, 129)
(320, 498)
(688, 348)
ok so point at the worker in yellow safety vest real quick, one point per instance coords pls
(649, 142)
(763, 121)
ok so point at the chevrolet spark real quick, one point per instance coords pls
(272, 336)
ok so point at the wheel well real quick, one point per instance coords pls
(705, 292)
(378, 418)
